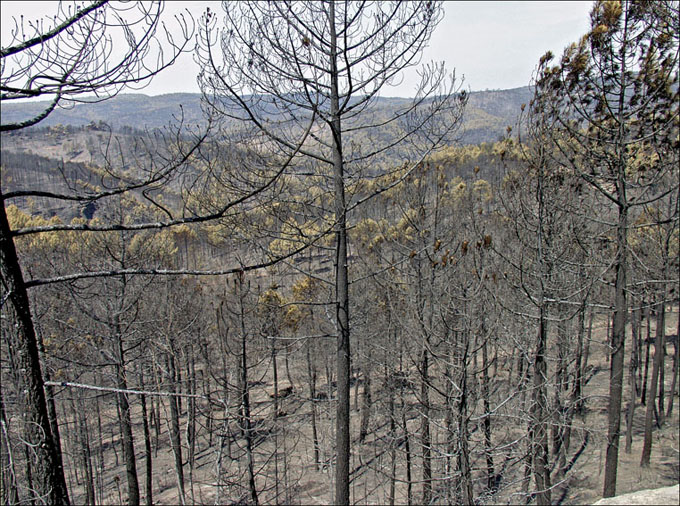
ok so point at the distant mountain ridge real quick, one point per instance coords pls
(487, 116)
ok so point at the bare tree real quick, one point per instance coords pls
(290, 63)
(67, 59)
(612, 93)
(63, 59)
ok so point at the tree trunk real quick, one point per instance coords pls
(618, 341)
(9, 492)
(366, 399)
(540, 450)
(311, 381)
(586, 352)
(175, 439)
(126, 422)
(407, 442)
(643, 397)
(246, 421)
(49, 397)
(658, 364)
(288, 375)
(147, 445)
(676, 357)
(407, 454)
(464, 453)
(490, 474)
(425, 439)
(47, 471)
(389, 381)
(577, 396)
(85, 453)
(632, 372)
(275, 417)
(661, 323)
(342, 433)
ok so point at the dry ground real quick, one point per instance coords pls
(306, 484)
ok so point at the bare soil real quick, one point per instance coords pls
(289, 442)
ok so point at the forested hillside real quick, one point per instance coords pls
(488, 113)
(291, 290)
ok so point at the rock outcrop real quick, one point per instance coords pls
(660, 496)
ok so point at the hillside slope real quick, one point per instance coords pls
(486, 118)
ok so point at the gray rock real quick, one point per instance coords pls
(660, 496)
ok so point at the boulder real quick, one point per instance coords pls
(660, 496)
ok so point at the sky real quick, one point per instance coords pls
(493, 45)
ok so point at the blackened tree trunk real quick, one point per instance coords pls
(464, 465)
(175, 439)
(47, 472)
(85, 454)
(617, 344)
(540, 450)
(676, 357)
(490, 474)
(658, 364)
(125, 420)
(311, 381)
(147, 445)
(645, 376)
(246, 421)
(366, 401)
(342, 433)
(632, 383)
(9, 492)
(425, 438)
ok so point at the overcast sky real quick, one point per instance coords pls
(494, 45)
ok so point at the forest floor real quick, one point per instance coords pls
(302, 482)
(586, 484)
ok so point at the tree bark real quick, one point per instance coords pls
(676, 357)
(540, 450)
(658, 363)
(147, 445)
(125, 421)
(425, 439)
(617, 354)
(464, 452)
(366, 402)
(311, 381)
(86, 455)
(643, 396)
(632, 371)
(490, 474)
(341, 282)
(9, 492)
(246, 421)
(47, 472)
(175, 440)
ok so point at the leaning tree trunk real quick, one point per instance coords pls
(9, 492)
(47, 472)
